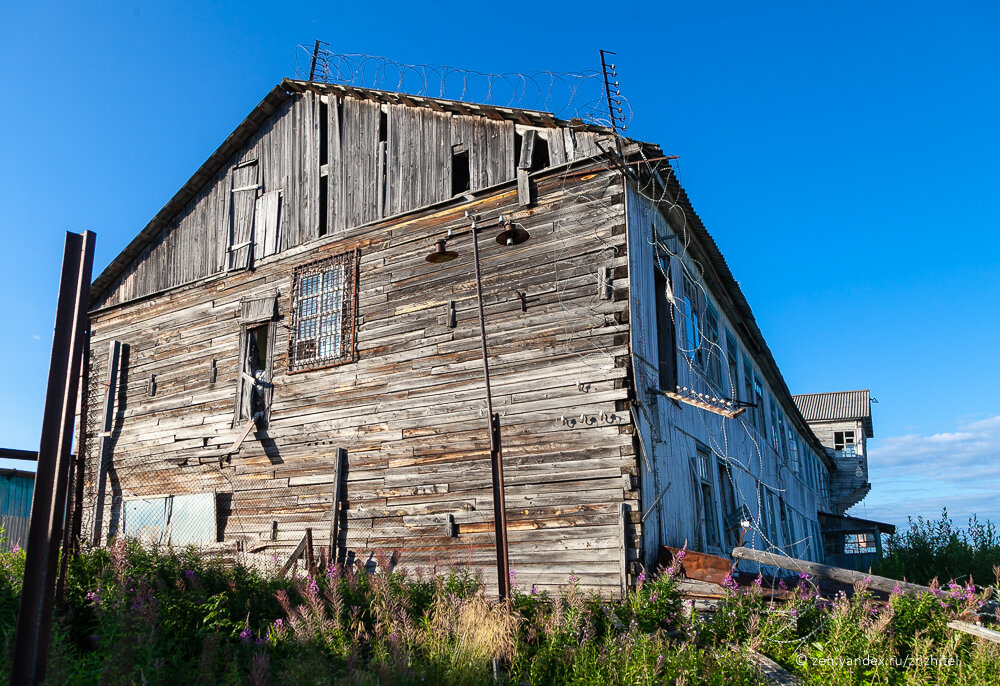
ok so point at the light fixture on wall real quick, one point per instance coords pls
(512, 234)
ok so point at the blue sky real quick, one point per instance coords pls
(842, 154)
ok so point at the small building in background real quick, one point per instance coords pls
(842, 421)
(16, 489)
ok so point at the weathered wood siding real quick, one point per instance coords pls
(409, 411)
(380, 160)
(671, 432)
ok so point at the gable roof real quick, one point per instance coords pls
(837, 406)
(268, 106)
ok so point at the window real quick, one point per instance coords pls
(734, 367)
(783, 434)
(692, 324)
(730, 516)
(860, 543)
(666, 334)
(323, 313)
(714, 352)
(793, 448)
(758, 391)
(843, 441)
(253, 382)
(708, 499)
(774, 423)
(786, 528)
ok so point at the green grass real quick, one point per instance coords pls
(140, 616)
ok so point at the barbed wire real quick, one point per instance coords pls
(569, 95)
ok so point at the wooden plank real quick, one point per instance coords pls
(296, 554)
(247, 428)
(844, 576)
(523, 188)
(975, 630)
(775, 674)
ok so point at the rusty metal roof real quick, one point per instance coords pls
(837, 406)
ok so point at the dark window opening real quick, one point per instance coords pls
(324, 127)
(383, 127)
(461, 172)
(518, 142)
(665, 334)
(254, 398)
(324, 195)
(539, 154)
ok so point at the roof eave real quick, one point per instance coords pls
(189, 190)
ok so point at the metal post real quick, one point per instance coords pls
(496, 454)
(312, 65)
(34, 619)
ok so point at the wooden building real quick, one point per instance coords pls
(273, 352)
(16, 489)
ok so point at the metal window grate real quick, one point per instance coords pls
(323, 309)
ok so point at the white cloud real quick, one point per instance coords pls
(918, 475)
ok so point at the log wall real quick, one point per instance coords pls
(410, 410)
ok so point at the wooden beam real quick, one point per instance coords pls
(844, 576)
(296, 554)
(523, 187)
(974, 630)
(338, 462)
(772, 671)
(623, 547)
(247, 428)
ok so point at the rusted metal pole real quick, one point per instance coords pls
(496, 454)
(48, 507)
(312, 65)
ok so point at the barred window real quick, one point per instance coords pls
(323, 313)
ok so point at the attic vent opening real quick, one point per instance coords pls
(461, 173)
(324, 139)
(533, 151)
(324, 170)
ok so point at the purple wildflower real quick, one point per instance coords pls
(534, 589)
(246, 636)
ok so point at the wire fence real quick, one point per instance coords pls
(565, 94)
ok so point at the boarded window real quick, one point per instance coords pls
(323, 313)
(243, 189)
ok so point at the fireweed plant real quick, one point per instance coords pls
(136, 615)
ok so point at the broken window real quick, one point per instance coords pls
(323, 313)
(254, 387)
(843, 441)
(461, 172)
(243, 188)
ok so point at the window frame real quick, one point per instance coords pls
(349, 311)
